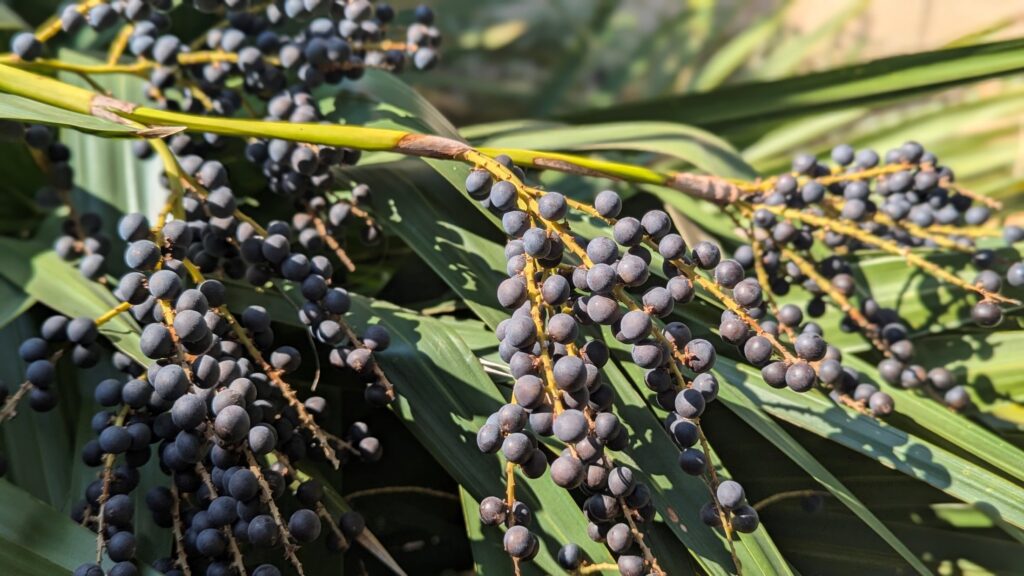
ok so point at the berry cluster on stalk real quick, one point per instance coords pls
(342, 40)
(560, 288)
(559, 284)
(261, 53)
(862, 202)
(59, 337)
(226, 427)
(211, 401)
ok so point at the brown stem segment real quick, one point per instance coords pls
(808, 269)
(333, 243)
(108, 469)
(324, 515)
(10, 408)
(990, 202)
(286, 390)
(718, 190)
(268, 499)
(712, 485)
(340, 442)
(179, 536)
(638, 537)
(533, 293)
(321, 510)
(237, 560)
(377, 371)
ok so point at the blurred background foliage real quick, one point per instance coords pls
(730, 87)
(532, 59)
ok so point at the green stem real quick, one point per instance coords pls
(56, 93)
(582, 165)
(45, 90)
(371, 139)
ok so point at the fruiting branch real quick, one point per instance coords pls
(237, 560)
(275, 375)
(268, 498)
(180, 557)
(333, 243)
(888, 246)
(108, 469)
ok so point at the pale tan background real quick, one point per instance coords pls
(900, 26)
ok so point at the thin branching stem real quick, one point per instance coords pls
(889, 246)
(113, 313)
(780, 496)
(237, 560)
(332, 243)
(10, 407)
(179, 534)
(267, 495)
(106, 478)
(387, 490)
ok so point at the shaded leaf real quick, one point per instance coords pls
(888, 445)
(10, 20)
(59, 285)
(13, 302)
(753, 416)
(488, 553)
(36, 540)
(36, 444)
(397, 95)
(678, 497)
(24, 110)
